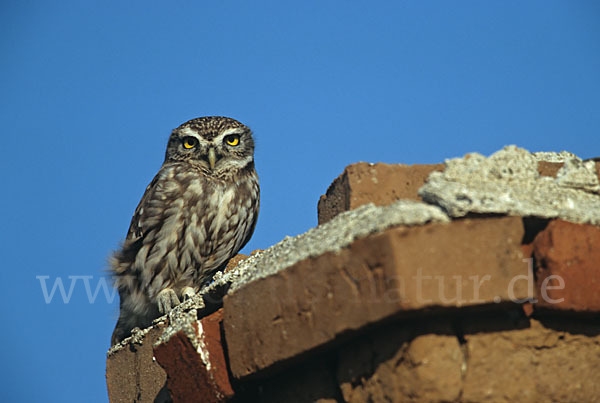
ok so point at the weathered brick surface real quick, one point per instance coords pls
(132, 374)
(380, 184)
(568, 266)
(398, 271)
(501, 358)
(196, 374)
(396, 365)
(540, 361)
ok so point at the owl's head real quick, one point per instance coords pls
(214, 144)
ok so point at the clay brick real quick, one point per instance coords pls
(539, 362)
(571, 251)
(503, 357)
(406, 361)
(196, 375)
(132, 374)
(396, 272)
(380, 184)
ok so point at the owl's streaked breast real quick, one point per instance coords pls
(205, 221)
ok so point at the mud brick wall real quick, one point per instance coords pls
(474, 280)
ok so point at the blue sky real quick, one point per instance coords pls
(91, 90)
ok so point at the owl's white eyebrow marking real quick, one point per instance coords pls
(235, 130)
(186, 131)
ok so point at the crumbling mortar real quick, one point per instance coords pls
(136, 338)
(478, 184)
(185, 323)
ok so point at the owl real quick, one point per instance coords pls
(198, 212)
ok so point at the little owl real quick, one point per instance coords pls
(198, 212)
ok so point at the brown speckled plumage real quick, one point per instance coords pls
(191, 220)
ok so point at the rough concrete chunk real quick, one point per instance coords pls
(400, 270)
(380, 184)
(191, 352)
(568, 266)
(508, 182)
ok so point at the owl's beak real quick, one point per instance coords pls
(212, 157)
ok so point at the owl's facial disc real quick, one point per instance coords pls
(212, 146)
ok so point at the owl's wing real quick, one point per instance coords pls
(251, 231)
(135, 227)
(252, 190)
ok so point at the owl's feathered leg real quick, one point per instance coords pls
(167, 300)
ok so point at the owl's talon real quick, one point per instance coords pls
(167, 300)
(187, 293)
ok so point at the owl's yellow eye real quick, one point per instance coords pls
(232, 139)
(190, 142)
